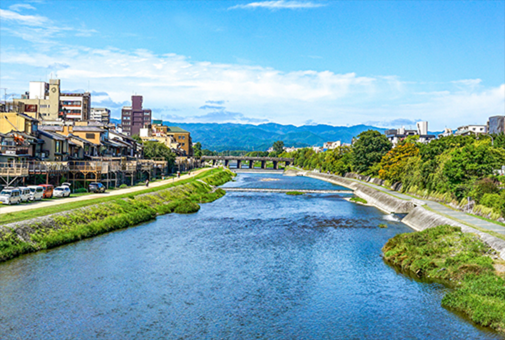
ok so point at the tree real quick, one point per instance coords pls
(393, 163)
(137, 139)
(159, 150)
(278, 147)
(369, 149)
(197, 150)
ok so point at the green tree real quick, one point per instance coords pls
(278, 147)
(393, 163)
(159, 150)
(197, 150)
(138, 139)
(369, 149)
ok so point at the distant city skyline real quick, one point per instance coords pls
(382, 63)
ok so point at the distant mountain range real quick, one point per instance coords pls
(221, 137)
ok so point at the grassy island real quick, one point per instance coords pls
(358, 200)
(49, 231)
(461, 261)
(294, 193)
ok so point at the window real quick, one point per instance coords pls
(30, 108)
(183, 144)
(90, 136)
(126, 118)
(57, 147)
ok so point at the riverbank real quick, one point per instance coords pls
(419, 214)
(51, 230)
(462, 257)
(460, 260)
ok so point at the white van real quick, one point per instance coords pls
(36, 192)
(10, 196)
(25, 194)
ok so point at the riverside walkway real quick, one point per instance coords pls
(5, 209)
(440, 209)
(288, 190)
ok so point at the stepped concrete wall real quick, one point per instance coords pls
(376, 198)
(418, 218)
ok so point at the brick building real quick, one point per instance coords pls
(134, 118)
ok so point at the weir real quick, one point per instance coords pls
(288, 190)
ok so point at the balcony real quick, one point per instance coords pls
(12, 150)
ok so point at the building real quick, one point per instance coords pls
(100, 114)
(496, 124)
(175, 138)
(397, 135)
(45, 101)
(135, 117)
(447, 132)
(331, 145)
(471, 130)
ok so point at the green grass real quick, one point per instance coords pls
(460, 260)
(358, 200)
(181, 197)
(383, 225)
(33, 213)
(294, 193)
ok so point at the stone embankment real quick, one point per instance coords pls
(418, 218)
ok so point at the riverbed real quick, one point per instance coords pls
(249, 265)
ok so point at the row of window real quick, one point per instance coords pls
(71, 102)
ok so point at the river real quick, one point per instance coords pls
(249, 265)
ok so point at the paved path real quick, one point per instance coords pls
(59, 201)
(441, 209)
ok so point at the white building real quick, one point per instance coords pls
(397, 135)
(471, 129)
(331, 145)
(100, 114)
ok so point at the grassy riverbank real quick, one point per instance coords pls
(100, 216)
(463, 262)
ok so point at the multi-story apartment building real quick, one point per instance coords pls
(46, 102)
(134, 118)
(496, 124)
(100, 114)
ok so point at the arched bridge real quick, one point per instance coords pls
(244, 159)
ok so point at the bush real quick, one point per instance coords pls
(123, 186)
(80, 190)
(463, 261)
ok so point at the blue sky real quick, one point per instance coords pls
(386, 63)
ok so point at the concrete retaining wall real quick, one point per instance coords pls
(418, 218)
(376, 198)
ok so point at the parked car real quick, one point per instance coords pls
(48, 190)
(61, 191)
(10, 196)
(25, 194)
(36, 192)
(96, 187)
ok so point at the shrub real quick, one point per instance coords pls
(123, 186)
(80, 190)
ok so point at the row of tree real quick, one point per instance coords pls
(453, 168)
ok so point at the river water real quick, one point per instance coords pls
(249, 265)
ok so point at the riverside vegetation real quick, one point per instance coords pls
(449, 169)
(461, 261)
(122, 212)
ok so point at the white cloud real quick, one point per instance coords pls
(19, 7)
(279, 4)
(29, 20)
